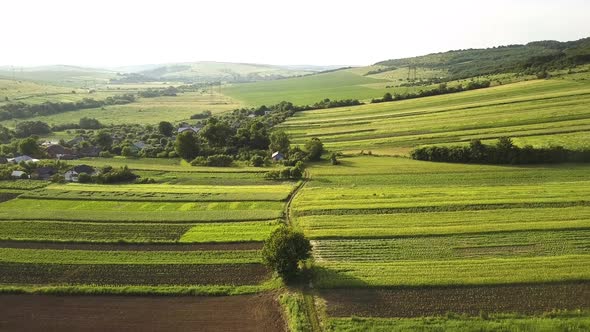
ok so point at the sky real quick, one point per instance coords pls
(109, 33)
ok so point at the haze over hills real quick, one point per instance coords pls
(188, 72)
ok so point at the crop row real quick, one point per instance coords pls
(452, 272)
(131, 274)
(51, 256)
(490, 245)
(159, 212)
(56, 231)
(438, 223)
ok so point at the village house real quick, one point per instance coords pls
(187, 128)
(25, 158)
(73, 174)
(44, 173)
(18, 174)
(89, 151)
(59, 152)
(277, 156)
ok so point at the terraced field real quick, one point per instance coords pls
(539, 112)
(393, 230)
(187, 237)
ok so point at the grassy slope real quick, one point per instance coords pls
(341, 84)
(537, 112)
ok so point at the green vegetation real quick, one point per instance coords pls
(230, 232)
(535, 110)
(128, 257)
(284, 250)
(294, 307)
(90, 232)
(563, 321)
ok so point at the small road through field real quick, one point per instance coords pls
(307, 289)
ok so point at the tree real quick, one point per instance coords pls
(279, 141)
(187, 145)
(103, 139)
(217, 133)
(333, 159)
(165, 128)
(89, 123)
(28, 128)
(387, 97)
(29, 147)
(314, 148)
(283, 251)
(127, 152)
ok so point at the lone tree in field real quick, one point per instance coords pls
(283, 251)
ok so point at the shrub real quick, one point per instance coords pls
(219, 160)
(257, 161)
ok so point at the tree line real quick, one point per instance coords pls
(503, 152)
(21, 110)
(440, 90)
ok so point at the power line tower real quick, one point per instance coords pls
(412, 73)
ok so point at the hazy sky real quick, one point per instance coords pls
(125, 32)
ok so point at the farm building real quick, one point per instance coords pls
(277, 156)
(18, 174)
(193, 129)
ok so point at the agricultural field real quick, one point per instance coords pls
(143, 111)
(537, 112)
(400, 244)
(190, 237)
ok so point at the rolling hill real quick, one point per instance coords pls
(500, 65)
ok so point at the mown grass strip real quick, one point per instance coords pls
(52, 256)
(452, 272)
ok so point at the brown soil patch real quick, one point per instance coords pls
(131, 313)
(432, 301)
(133, 274)
(133, 246)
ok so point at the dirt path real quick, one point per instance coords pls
(130, 313)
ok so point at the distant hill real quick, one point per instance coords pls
(193, 72)
(59, 74)
(209, 71)
(529, 59)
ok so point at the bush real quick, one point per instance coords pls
(257, 161)
(199, 161)
(220, 160)
(105, 154)
(84, 178)
(283, 251)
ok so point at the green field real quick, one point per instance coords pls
(341, 84)
(210, 206)
(539, 112)
(388, 224)
(143, 111)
